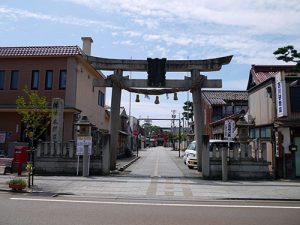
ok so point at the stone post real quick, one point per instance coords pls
(235, 152)
(224, 164)
(206, 163)
(105, 155)
(115, 120)
(85, 163)
(71, 149)
(198, 115)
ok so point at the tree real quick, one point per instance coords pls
(36, 117)
(34, 114)
(288, 54)
(150, 129)
(188, 111)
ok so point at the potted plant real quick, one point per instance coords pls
(17, 184)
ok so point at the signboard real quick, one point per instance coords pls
(229, 127)
(57, 120)
(81, 142)
(2, 137)
(281, 95)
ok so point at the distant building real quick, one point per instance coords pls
(274, 110)
(219, 105)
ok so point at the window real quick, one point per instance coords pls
(228, 110)
(14, 80)
(2, 77)
(62, 79)
(49, 80)
(262, 132)
(265, 132)
(101, 99)
(35, 80)
(217, 113)
(295, 96)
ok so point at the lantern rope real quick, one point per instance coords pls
(118, 81)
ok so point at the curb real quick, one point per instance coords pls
(128, 164)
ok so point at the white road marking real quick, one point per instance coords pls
(156, 165)
(156, 204)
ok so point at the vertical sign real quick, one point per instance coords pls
(281, 95)
(229, 127)
(57, 120)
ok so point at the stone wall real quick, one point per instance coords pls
(246, 169)
(61, 159)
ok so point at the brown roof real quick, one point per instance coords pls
(260, 73)
(40, 51)
(222, 97)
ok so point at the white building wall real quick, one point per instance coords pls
(261, 107)
(87, 96)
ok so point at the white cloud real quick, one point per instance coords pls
(132, 33)
(18, 14)
(264, 16)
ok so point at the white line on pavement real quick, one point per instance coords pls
(156, 204)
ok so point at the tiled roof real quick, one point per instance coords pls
(222, 97)
(260, 73)
(40, 51)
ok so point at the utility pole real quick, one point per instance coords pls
(179, 135)
(173, 126)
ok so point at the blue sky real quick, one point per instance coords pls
(175, 29)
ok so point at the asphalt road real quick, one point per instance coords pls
(161, 162)
(37, 210)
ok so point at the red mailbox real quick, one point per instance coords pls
(20, 156)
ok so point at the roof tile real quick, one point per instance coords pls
(221, 97)
(40, 51)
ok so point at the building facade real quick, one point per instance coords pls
(56, 72)
(219, 105)
(274, 110)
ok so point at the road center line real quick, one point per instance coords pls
(156, 204)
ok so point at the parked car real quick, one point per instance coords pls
(190, 149)
(191, 160)
(191, 156)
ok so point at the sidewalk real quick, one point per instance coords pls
(180, 188)
(160, 188)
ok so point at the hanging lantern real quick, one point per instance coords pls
(156, 100)
(175, 96)
(137, 99)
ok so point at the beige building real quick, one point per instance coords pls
(55, 72)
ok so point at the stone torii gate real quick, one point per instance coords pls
(194, 83)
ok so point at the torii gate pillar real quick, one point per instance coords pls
(198, 115)
(115, 120)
